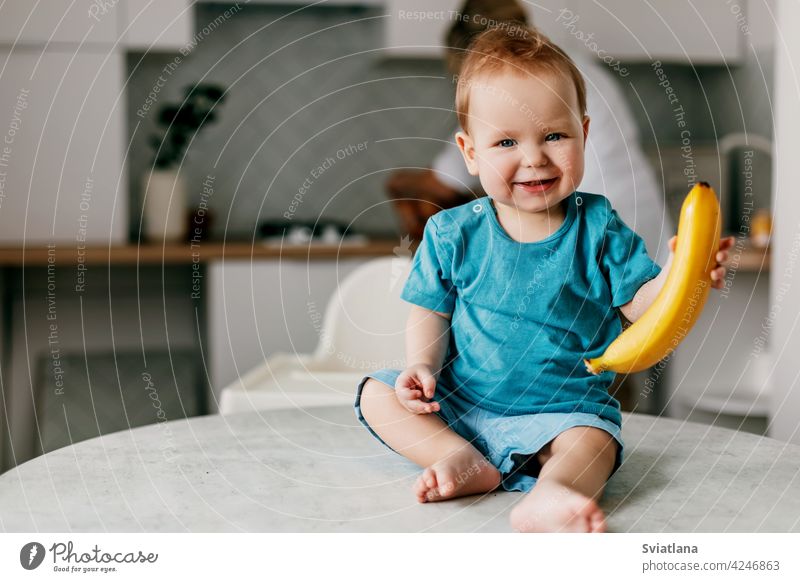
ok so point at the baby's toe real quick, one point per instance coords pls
(597, 522)
(445, 485)
(436, 493)
(420, 489)
(429, 476)
(577, 514)
(426, 483)
(443, 491)
(590, 516)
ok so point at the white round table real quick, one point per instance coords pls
(318, 470)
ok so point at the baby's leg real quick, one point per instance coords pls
(576, 465)
(453, 467)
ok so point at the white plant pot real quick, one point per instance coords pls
(165, 202)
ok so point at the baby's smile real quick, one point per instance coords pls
(536, 186)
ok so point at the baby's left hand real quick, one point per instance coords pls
(718, 273)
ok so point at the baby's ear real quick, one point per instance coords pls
(467, 148)
(586, 121)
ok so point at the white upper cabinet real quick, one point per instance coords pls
(677, 31)
(166, 25)
(71, 21)
(62, 147)
(417, 28)
(62, 158)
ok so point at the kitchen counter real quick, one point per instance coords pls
(177, 253)
(318, 470)
(748, 258)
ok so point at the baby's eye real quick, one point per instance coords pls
(506, 143)
(553, 136)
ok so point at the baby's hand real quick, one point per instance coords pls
(718, 273)
(415, 387)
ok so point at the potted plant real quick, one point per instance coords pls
(165, 195)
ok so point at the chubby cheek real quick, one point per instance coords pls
(570, 160)
(493, 184)
(495, 179)
(496, 168)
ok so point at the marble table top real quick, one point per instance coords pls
(318, 470)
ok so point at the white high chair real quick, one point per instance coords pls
(363, 330)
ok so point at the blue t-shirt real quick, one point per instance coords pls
(525, 315)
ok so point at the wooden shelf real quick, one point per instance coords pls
(66, 254)
(750, 259)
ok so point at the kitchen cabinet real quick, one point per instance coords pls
(720, 365)
(307, 3)
(132, 24)
(679, 31)
(257, 308)
(58, 21)
(253, 293)
(417, 28)
(49, 323)
(165, 25)
(62, 146)
(784, 310)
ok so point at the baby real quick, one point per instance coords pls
(510, 293)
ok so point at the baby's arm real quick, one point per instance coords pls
(427, 337)
(648, 292)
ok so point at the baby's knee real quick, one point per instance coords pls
(373, 395)
(589, 439)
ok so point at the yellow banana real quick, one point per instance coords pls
(678, 305)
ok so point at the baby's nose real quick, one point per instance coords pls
(534, 157)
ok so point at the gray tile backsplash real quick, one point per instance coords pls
(303, 87)
(298, 94)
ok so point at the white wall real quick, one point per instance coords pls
(785, 281)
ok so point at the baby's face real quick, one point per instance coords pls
(526, 138)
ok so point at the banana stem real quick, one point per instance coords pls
(596, 370)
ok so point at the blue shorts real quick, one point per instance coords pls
(510, 443)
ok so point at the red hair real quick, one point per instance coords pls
(518, 49)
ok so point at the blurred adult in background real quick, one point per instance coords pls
(615, 163)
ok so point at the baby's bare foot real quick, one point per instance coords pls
(464, 473)
(552, 507)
